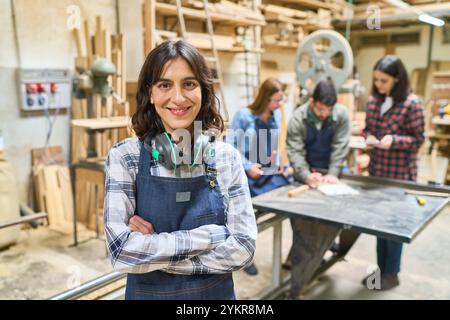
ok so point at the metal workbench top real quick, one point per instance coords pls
(382, 208)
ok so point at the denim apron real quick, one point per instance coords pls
(318, 146)
(266, 182)
(173, 204)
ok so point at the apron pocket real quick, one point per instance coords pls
(202, 220)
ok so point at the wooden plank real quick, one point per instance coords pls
(46, 156)
(84, 108)
(91, 206)
(444, 121)
(116, 60)
(281, 18)
(106, 39)
(234, 9)
(101, 123)
(75, 112)
(427, 193)
(171, 10)
(149, 23)
(313, 4)
(77, 38)
(132, 89)
(108, 112)
(122, 41)
(287, 12)
(98, 143)
(295, 192)
(65, 184)
(39, 188)
(53, 197)
(89, 49)
(282, 138)
(97, 105)
(99, 41)
(81, 194)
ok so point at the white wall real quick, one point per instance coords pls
(131, 26)
(413, 56)
(45, 42)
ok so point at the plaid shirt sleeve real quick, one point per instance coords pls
(370, 115)
(238, 250)
(414, 126)
(132, 251)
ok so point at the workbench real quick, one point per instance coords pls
(382, 208)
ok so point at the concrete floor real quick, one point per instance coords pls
(43, 263)
(425, 267)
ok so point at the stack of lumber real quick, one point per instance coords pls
(53, 187)
(289, 22)
(285, 25)
(226, 16)
(320, 13)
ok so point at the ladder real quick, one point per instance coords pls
(214, 59)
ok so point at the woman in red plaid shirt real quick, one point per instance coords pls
(394, 132)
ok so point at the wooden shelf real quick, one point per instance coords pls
(242, 49)
(284, 19)
(445, 121)
(435, 135)
(280, 45)
(166, 9)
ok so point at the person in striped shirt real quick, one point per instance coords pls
(178, 213)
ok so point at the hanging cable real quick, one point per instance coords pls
(16, 36)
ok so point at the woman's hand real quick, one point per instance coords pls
(280, 171)
(255, 171)
(137, 224)
(371, 141)
(386, 142)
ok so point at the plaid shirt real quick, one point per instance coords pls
(405, 122)
(206, 249)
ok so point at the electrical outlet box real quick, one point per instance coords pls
(42, 89)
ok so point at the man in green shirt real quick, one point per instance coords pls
(317, 145)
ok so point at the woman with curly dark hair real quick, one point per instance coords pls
(178, 213)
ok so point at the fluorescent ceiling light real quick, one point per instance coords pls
(431, 20)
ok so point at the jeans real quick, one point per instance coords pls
(389, 254)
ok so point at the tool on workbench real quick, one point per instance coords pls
(427, 193)
(421, 201)
(297, 191)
